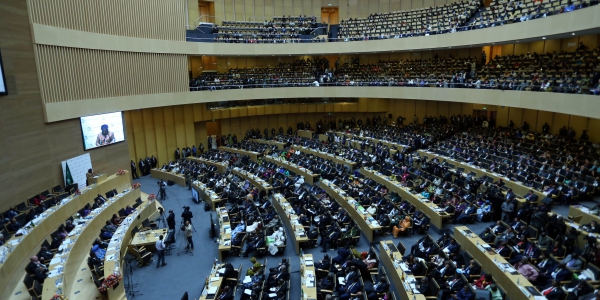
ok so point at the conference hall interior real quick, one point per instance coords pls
(300, 149)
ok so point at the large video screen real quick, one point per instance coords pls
(2, 78)
(102, 130)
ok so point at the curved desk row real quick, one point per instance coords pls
(390, 258)
(206, 194)
(305, 134)
(280, 145)
(255, 180)
(398, 146)
(164, 175)
(433, 211)
(287, 215)
(367, 223)
(516, 283)
(308, 175)
(221, 167)
(64, 266)
(117, 247)
(15, 252)
(518, 188)
(337, 159)
(253, 155)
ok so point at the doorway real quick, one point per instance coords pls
(330, 15)
(206, 10)
(213, 130)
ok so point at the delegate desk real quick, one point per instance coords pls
(305, 134)
(286, 213)
(517, 188)
(309, 176)
(117, 247)
(224, 232)
(164, 175)
(367, 223)
(254, 180)
(308, 277)
(146, 239)
(280, 145)
(214, 283)
(63, 267)
(221, 166)
(515, 283)
(587, 217)
(337, 159)
(16, 251)
(253, 155)
(390, 256)
(207, 194)
(434, 212)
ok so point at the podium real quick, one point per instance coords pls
(98, 179)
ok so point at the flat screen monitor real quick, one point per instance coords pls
(3, 90)
(102, 130)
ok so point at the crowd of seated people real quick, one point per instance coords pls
(566, 170)
(416, 22)
(547, 256)
(558, 72)
(508, 12)
(563, 72)
(279, 30)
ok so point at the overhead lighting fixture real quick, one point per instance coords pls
(543, 38)
(573, 33)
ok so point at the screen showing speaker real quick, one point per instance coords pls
(195, 196)
(102, 130)
(3, 90)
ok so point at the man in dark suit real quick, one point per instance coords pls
(171, 220)
(273, 279)
(378, 288)
(423, 286)
(256, 242)
(351, 287)
(326, 283)
(503, 249)
(226, 294)
(554, 292)
(329, 239)
(342, 256)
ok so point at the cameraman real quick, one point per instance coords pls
(161, 189)
(187, 214)
(171, 220)
(188, 235)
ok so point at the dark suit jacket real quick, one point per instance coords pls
(556, 294)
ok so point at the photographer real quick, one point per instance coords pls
(187, 215)
(162, 185)
(188, 235)
(171, 220)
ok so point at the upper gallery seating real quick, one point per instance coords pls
(279, 30)
(565, 72)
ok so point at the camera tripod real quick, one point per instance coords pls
(128, 274)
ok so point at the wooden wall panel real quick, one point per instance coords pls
(530, 116)
(544, 117)
(516, 115)
(559, 121)
(136, 19)
(68, 74)
(579, 124)
(32, 150)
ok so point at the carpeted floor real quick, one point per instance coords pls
(187, 273)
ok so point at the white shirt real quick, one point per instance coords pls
(160, 245)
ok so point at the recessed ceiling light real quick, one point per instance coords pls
(517, 41)
(573, 33)
(543, 38)
(329, 4)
